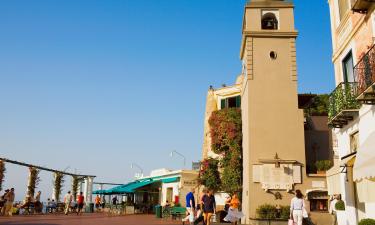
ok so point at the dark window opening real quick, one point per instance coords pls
(232, 102)
(347, 66)
(269, 22)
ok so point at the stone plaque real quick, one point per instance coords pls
(276, 178)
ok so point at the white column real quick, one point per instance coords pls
(53, 195)
(88, 189)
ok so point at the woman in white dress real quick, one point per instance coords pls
(233, 213)
(297, 206)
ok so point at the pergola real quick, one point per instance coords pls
(87, 180)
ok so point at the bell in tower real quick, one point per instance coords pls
(269, 21)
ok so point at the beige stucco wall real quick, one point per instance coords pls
(272, 122)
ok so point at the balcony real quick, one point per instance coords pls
(343, 106)
(365, 76)
(362, 6)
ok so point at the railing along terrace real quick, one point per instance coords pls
(342, 98)
(365, 71)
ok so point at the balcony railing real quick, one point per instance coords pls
(343, 105)
(362, 6)
(365, 76)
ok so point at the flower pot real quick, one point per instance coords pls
(321, 172)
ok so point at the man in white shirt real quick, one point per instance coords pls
(68, 198)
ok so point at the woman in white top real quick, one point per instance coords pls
(297, 206)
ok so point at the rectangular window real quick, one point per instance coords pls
(354, 142)
(232, 102)
(347, 67)
(343, 8)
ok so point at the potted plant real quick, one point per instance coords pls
(367, 222)
(322, 166)
(340, 210)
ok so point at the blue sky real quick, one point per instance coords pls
(97, 85)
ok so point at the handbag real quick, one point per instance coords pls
(304, 213)
(291, 222)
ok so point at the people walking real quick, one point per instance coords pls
(297, 205)
(80, 203)
(68, 198)
(190, 207)
(3, 201)
(114, 201)
(209, 207)
(9, 198)
(233, 212)
(97, 202)
(332, 209)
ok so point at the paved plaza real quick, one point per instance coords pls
(87, 219)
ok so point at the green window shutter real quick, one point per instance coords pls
(238, 101)
(222, 104)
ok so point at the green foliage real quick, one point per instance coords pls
(209, 175)
(231, 177)
(319, 105)
(285, 212)
(33, 181)
(75, 181)
(323, 165)
(226, 140)
(367, 222)
(2, 174)
(340, 205)
(266, 211)
(342, 98)
(58, 182)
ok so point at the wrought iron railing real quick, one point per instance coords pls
(365, 71)
(342, 98)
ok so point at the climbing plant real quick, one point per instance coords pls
(75, 180)
(226, 140)
(33, 181)
(209, 175)
(58, 182)
(2, 174)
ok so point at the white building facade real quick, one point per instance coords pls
(352, 108)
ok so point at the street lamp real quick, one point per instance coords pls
(176, 152)
(136, 165)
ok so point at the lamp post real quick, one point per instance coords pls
(136, 165)
(176, 152)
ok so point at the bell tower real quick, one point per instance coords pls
(273, 133)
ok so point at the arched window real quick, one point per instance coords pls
(269, 22)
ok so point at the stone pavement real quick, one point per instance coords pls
(86, 219)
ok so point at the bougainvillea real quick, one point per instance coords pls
(209, 175)
(226, 130)
(58, 182)
(226, 140)
(2, 174)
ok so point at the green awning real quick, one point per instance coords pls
(99, 192)
(133, 186)
(170, 180)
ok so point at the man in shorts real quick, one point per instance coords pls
(80, 202)
(190, 207)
